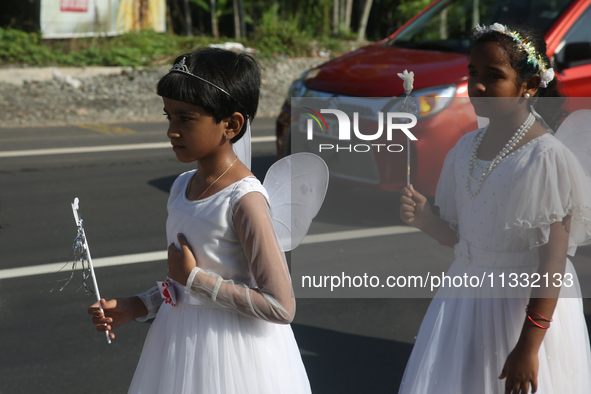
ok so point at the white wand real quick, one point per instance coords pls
(86, 253)
(409, 106)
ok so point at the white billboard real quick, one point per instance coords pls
(84, 18)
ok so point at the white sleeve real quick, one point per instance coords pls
(553, 187)
(270, 295)
(152, 299)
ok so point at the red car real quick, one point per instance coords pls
(434, 45)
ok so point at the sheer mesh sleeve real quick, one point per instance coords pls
(152, 299)
(269, 296)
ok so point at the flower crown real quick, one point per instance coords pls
(533, 57)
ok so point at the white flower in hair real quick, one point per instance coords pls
(547, 76)
(498, 27)
(408, 78)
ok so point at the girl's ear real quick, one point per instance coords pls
(235, 123)
(532, 85)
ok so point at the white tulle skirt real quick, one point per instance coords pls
(207, 350)
(463, 343)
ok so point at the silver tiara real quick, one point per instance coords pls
(181, 67)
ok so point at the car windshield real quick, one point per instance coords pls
(447, 26)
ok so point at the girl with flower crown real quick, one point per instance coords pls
(513, 202)
(222, 317)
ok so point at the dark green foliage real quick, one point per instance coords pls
(147, 48)
(20, 14)
(275, 28)
(131, 49)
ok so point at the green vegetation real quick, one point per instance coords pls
(273, 28)
(148, 48)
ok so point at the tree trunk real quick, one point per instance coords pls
(145, 21)
(363, 22)
(178, 15)
(169, 26)
(237, 30)
(242, 18)
(335, 17)
(348, 12)
(443, 33)
(188, 21)
(214, 21)
(475, 13)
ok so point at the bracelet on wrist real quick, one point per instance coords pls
(529, 311)
(450, 241)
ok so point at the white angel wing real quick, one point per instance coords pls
(242, 147)
(575, 133)
(296, 186)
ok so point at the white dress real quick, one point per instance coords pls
(467, 333)
(222, 336)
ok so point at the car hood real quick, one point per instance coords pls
(372, 71)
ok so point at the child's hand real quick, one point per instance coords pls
(521, 369)
(180, 261)
(118, 312)
(414, 208)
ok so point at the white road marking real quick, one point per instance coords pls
(97, 263)
(356, 234)
(104, 148)
(162, 255)
(106, 128)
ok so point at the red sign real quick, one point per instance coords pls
(74, 5)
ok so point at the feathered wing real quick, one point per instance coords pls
(296, 186)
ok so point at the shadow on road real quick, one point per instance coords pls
(260, 165)
(346, 363)
(344, 205)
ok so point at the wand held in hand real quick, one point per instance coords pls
(85, 255)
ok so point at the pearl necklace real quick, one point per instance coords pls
(485, 171)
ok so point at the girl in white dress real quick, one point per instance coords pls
(513, 202)
(223, 324)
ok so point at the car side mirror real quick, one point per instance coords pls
(575, 53)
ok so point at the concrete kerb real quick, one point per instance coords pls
(17, 76)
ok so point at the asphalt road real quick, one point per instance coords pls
(349, 345)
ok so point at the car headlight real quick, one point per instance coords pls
(431, 101)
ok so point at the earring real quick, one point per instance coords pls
(527, 95)
(226, 137)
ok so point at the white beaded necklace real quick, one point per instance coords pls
(474, 164)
